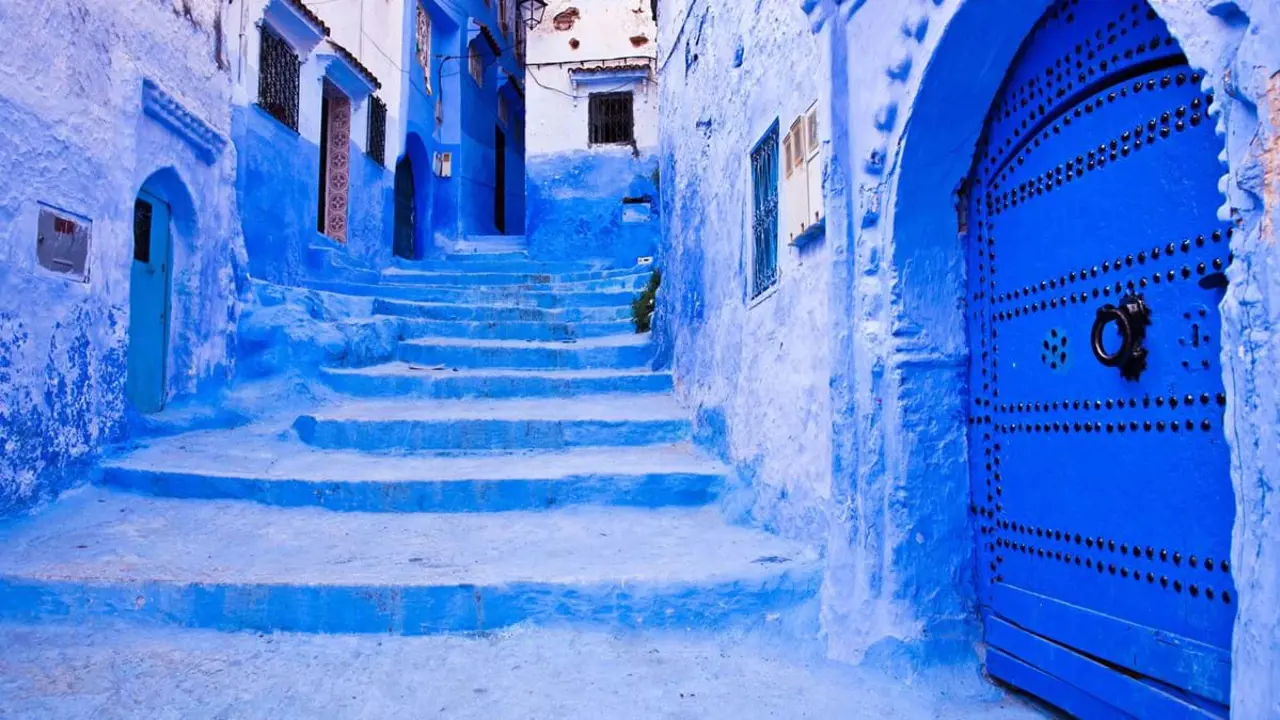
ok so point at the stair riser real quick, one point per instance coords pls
(452, 388)
(531, 358)
(510, 265)
(732, 604)
(468, 435)
(427, 496)
(516, 297)
(472, 313)
(415, 329)
(628, 278)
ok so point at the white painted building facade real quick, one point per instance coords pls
(592, 130)
(586, 47)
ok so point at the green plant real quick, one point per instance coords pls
(642, 307)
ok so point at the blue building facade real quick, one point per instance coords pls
(464, 112)
(850, 380)
(98, 148)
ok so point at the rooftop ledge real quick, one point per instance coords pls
(299, 27)
(344, 70)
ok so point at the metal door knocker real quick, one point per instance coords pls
(1131, 319)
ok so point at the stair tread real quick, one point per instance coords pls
(263, 452)
(640, 407)
(607, 341)
(98, 536)
(405, 369)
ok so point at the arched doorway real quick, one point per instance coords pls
(1098, 463)
(405, 210)
(149, 282)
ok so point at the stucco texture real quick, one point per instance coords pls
(71, 103)
(839, 395)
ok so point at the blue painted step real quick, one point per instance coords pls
(416, 328)
(405, 380)
(514, 295)
(244, 566)
(469, 425)
(619, 351)
(258, 464)
(497, 263)
(629, 278)
(497, 313)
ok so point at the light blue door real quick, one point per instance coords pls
(149, 304)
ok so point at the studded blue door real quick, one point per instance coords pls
(1098, 460)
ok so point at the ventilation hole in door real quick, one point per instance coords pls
(1053, 350)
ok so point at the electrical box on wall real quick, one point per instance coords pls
(444, 164)
(802, 176)
(62, 243)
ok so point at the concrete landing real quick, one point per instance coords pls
(261, 464)
(237, 565)
(112, 672)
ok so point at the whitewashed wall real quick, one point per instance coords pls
(556, 120)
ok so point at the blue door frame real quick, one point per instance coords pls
(149, 303)
(1098, 463)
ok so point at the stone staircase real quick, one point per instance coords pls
(515, 460)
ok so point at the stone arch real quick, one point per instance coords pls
(167, 183)
(163, 232)
(899, 450)
(419, 159)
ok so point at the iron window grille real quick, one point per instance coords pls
(278, 79)
(424, 45)
(475, 63)
(611, 118)
(377, 141)
(764, 213)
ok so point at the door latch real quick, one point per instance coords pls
(1131, 318)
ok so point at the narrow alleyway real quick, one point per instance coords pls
(516, 463)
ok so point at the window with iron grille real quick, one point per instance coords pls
(475, 63)
(764, 213)
(424, 45)
(611, 118)
(278, 79)
(376, 146)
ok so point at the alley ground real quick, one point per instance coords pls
(466, 482)
(525, 673)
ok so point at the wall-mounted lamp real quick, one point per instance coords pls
(532, 12)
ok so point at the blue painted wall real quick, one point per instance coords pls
(450, 209)
(839, 396)
(71, 107)
(755, 373)
(575, 204)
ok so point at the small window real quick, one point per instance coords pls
(376, 147)
(278, 79)
(503, 21)
(424, 45)
(475, 63)
(504, 111)
(764, 213)
(142, 231)
(611, 118)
